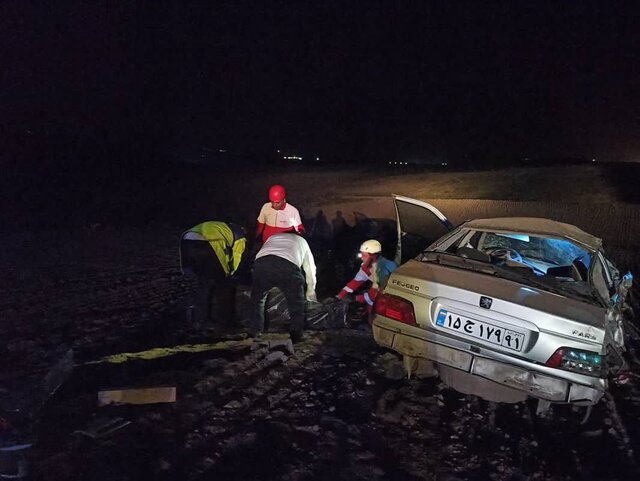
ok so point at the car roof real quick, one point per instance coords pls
(536, 225)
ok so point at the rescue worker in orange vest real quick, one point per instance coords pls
(212, 252)
(372, 275)
(277, 215)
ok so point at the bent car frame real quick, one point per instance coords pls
(504, 308)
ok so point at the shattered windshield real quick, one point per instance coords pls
(556, 265)
(547, 250)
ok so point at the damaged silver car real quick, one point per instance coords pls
(504, 308)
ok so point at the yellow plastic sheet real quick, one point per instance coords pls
(159, 352)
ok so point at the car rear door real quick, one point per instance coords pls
(419, 225)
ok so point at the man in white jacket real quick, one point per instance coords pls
(285, 261)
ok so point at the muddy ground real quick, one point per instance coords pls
(337, 407)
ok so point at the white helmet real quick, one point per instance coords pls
(371, 246)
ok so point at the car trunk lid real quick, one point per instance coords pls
(485, 297)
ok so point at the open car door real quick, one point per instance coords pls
(419, 225)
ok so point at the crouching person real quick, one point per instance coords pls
(285, 261)
(372, 275)
(212, 253)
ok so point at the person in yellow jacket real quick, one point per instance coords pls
(212, 253)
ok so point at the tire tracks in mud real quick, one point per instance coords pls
(299, 403)
(331, 416)
(311, 414)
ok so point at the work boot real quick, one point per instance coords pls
(254, 333)
(296, 336)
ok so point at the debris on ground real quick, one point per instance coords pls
(101, 428)
(392, 366)
(148, 395)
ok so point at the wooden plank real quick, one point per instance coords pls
(148, 395)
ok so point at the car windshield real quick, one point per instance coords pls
(557, 265)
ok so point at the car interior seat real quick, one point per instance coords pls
(576, 271)
(580, 270)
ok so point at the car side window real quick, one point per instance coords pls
(469, 239)
(600, 281)
(449, 242)
(614, 273)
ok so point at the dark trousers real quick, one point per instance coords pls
(274, 271)
(215, 293)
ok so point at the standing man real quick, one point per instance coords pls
(277, 216)
(285, 261)
(375, 269)
(212, 252)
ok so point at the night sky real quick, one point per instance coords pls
(351, 80)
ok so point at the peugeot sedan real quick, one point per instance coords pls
(504, 308)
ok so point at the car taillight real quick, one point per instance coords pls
(577, 360)
(395, 308)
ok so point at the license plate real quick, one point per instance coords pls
(494, 334)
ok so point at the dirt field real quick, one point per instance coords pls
(109, 282)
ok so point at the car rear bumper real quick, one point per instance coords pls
(413, 342)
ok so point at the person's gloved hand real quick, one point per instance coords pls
(312, 296)
(346, 299)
